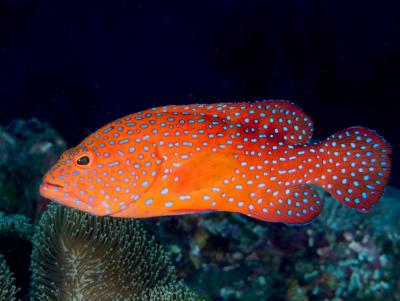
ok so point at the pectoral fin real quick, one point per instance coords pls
(201, 173)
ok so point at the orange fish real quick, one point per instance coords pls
(252, 158)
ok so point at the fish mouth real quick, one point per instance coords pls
(56, 193)
(49, 184)
(64, 196)
(51, 190)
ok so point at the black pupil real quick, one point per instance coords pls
(84, 160)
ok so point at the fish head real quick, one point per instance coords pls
(78, 180)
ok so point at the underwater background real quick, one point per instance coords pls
(69, 67)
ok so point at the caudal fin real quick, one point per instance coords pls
(356, 166)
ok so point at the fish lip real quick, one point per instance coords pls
(57, 193)
(51, 191)
(52, 184)
(45, 185)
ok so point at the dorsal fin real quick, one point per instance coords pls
(278, 120)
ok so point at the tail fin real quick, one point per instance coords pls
(356, 166)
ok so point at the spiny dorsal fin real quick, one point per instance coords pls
(278, 120)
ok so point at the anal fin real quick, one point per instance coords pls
(293, 205)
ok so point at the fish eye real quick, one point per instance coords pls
(83, 160)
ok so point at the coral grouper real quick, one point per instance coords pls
(253, 158)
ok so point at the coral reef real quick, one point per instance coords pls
(79, 256)
(343, 255)
(8, 289)
(27, 150)
(360, 253)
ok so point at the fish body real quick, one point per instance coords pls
(253, 158)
